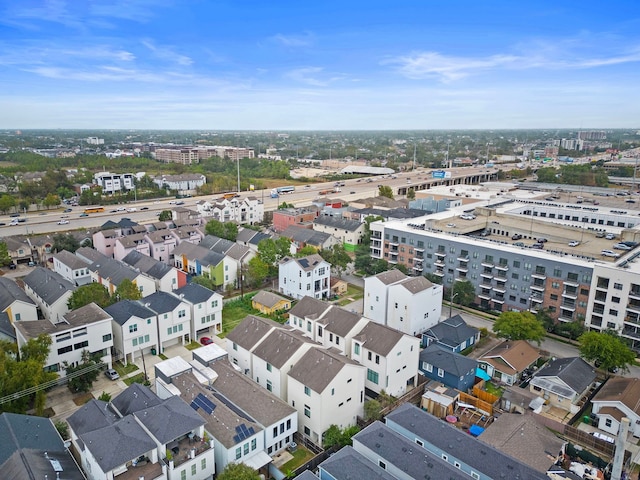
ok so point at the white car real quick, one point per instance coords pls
(63, 222)
(574, 243)
(467, 216)
(132, 209)
(610, 236)
(609, 253)
(621, 246)
(120, 209)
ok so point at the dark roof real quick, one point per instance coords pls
(263, 406)
(573, 371)
(161, 302)
(258, 237)
(339, 321)
(48, 285)
(280, 345)
(317, 368)
(10, 292)
(6, 327)
(123, 310)
(309, 307)
(347, 463)
(449, 361)
(245, 234)
(92, 415)
(452, 331)
(169, 419)
(251, 330)
(306, 235)
(70, 260)
(108, 268)
(378, 338)
(135, 398)
(194, 293)
(405, 454)
(390, 276)
(151, 266)
(459, 444)
(339, 223)
(28, 447)
(306, 263)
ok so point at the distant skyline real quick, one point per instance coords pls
(330, 65)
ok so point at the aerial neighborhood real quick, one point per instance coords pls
(433, 326)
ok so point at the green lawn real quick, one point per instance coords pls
(122, 370)
(353, 293)
(192, 345)
(135, 379)
(234, 311)
(300, 457)
(491, 388)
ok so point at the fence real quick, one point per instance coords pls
(483, 395)
(579, 436)
(480, 405)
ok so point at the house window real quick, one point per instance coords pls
(193, 470)
(183, 475)
(420, 442)
(307, 431)
(289, 424)
(427, 367)
(203, 464)
(254, 444)
(235, 346)
(378, 359)
(475, 475)
(246, 448)
(307, 391)
(17, 317)
(133, 328)
(307, 411)
(382, 464)
(440, 372)
(372, 376)
(269, 367)
(369, 355)
(238, 453)
(445, 457)
(356, 348)
(608, 422)
(269, 386)
(105, 338)
(181, 314)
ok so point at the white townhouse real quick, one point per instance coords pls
(15, 303)
(71, 267)
(166, 277)
(248, 210)
(135, 330)
(411, 305)
(308, 275)
(174, 318)
(206, 309)
(86, 328)
(327, 389)
(275, 355)
(243, 339)
(186, 183)
(50, 291)
(391, 358)
(349, 232)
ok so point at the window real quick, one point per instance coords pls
(378, 359)
(382, 465)
(307, 411)
(17, 317)
(182, 313)
(269, 367)
(183, 475)
(254, 444)
(307, 391)
(307, 431)
(203, 464)
(235, 346)
(133, 328)
(148, 321)
(440, 372)
(193, 470)
(607, 422)
(269, 386)
(420, 442)
(427, 367)
(617, 286)
(372, 376)
(475, 476)
(105, 338)
(289, 424)
(356, 348)
(246, 448)
(65, 350)
(369, 355)
(238, 453)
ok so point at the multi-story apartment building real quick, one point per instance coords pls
(114, 182)
(189, 155)
(187, 183)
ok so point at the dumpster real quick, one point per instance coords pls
(153, 351)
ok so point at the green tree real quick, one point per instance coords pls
(51, 200)
(63, 428)
(464, 293)
(285, 205)
(205, 282)
(5, 259)
(165, 216)
(433, 278)
(257, 270)
(338, 257)
(372, 410)
(91, 292)
(606, 349)
(82, 382)
(226, 230)
(385, 191)
(306, 251)
(65, 241)
(238, 471)
(333, 436)
(127, 290)
(519, 326)
(544, 316)
(411, 194)
(272, 251)
(7, 202)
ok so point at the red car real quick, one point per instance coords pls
(206, 341)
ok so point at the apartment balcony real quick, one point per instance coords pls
(632, 319)
(418, 268)
(441, 254)
(417, 249)
(376, 234)
(571, 283)
(463, 259)
(486, 286)
(533, 309)
(630, 309)
(502, 268)
(538, 287)
(376, 243)
(500, 289)
(634, 293)
(569, 306)
(418, 260)
(566, 317)
(461, 268)
(501, 275)
(486, 276)
(487, 264)
(439, 273)
(537, 300)
(498, 300)
(484, 296)
(377, 253)
(439, 263)
(570, 295)
(539, 276)
(460, 279)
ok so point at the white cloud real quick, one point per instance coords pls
(304, 40)
(167, 53)
(313, 76)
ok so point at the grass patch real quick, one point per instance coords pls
(234, 312)
(124, 370)
(135, 379)
(192, 345)
(163, 356)
(493, 389)
(82, 399)
(300, 457)
(354, 291)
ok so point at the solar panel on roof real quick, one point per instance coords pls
(236, 438)
(251, 431)
(194, 405)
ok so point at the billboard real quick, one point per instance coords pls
(440, 174)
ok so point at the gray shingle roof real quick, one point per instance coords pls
(82, 316)
(170, 419)
(265, 407)
(11, 292)
(459, 444)
(161, 302)
(48, 285)
(318, 367)
(306, 263)
(573, 371)
(268, 299)
(151, 266)
(90, 313)
(452, 331)
(70, 260)
(405, 454)
(251, 331)
(391, 276)
(258, 237)
(92, 415)
(194, 293)
(309, 307)
(339, 223)
(348, 463)
(280, 345)
(123, 310)
(416, 284)
(6, 327)
(108, 268)
(378, 338)
(339, 321)
(306, 235)
(449, 361)
(135, 398)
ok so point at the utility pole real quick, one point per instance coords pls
(238, 175)
(453, 295)
(144, 366)
(414, 157)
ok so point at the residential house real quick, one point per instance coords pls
(104, 241)
(232, 252)
(49, 291)
(563, 382)
(411, 305)
(286, 217)
(450, 368)
(33, 448)
(327, 389)
(197, 260)
(243, 211)
(347, 463)
(174, 318)
(136, 242)
(71, 267)
(242, 340)
(187, 232)
(301, 237)
(166, 278)
(299, 277)
(338, 286)
(349, 232)
(184, 184)
(269, 303)
(15, 303)
(453, 334)
(19, 249)
(139, 435)
(391, 358)
(618, 398)
(206, 309)
(236, 435)
(86, 328)
(161, 245)
(135, 330)
(508, 360)
(466, 453)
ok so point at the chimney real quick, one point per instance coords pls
(618, 457)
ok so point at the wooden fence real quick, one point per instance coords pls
(483, 395)
(578, 436)
(480, 405)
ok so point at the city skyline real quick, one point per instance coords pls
(329, 66)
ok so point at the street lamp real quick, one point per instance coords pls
(453, 295)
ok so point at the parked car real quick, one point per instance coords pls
(67, 210)
(111, 374)
(609, 253)
(144, 208)
(518, 244)
(610, 236)
(538, 246)
(517, 236)
(206, 341)
(12, 266)
(63, 222)
(600, 234)
(574, 243)
(541, 240)
(621, 246)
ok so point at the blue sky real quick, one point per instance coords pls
(357, 65)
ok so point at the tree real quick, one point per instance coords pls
(165, 216)
(333, 436)
(519, 326)
(411, 194)
(82, 382)
(238, 471)
(285, 205)
(127, 290)
(385, 191)
(65, 241)
(433, 278)
(51, 200)
(372, 410)
(305, 251)
(7, 202)
(257, 270)
(226, 230)
(464, 293)
(272, 251)
(606, 349)
(91, 292)
(338, 257)
(5, 258)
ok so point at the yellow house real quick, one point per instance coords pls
(338, 286)
(268, 303)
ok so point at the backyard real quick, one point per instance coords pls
(353, 293)
(234, 312)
